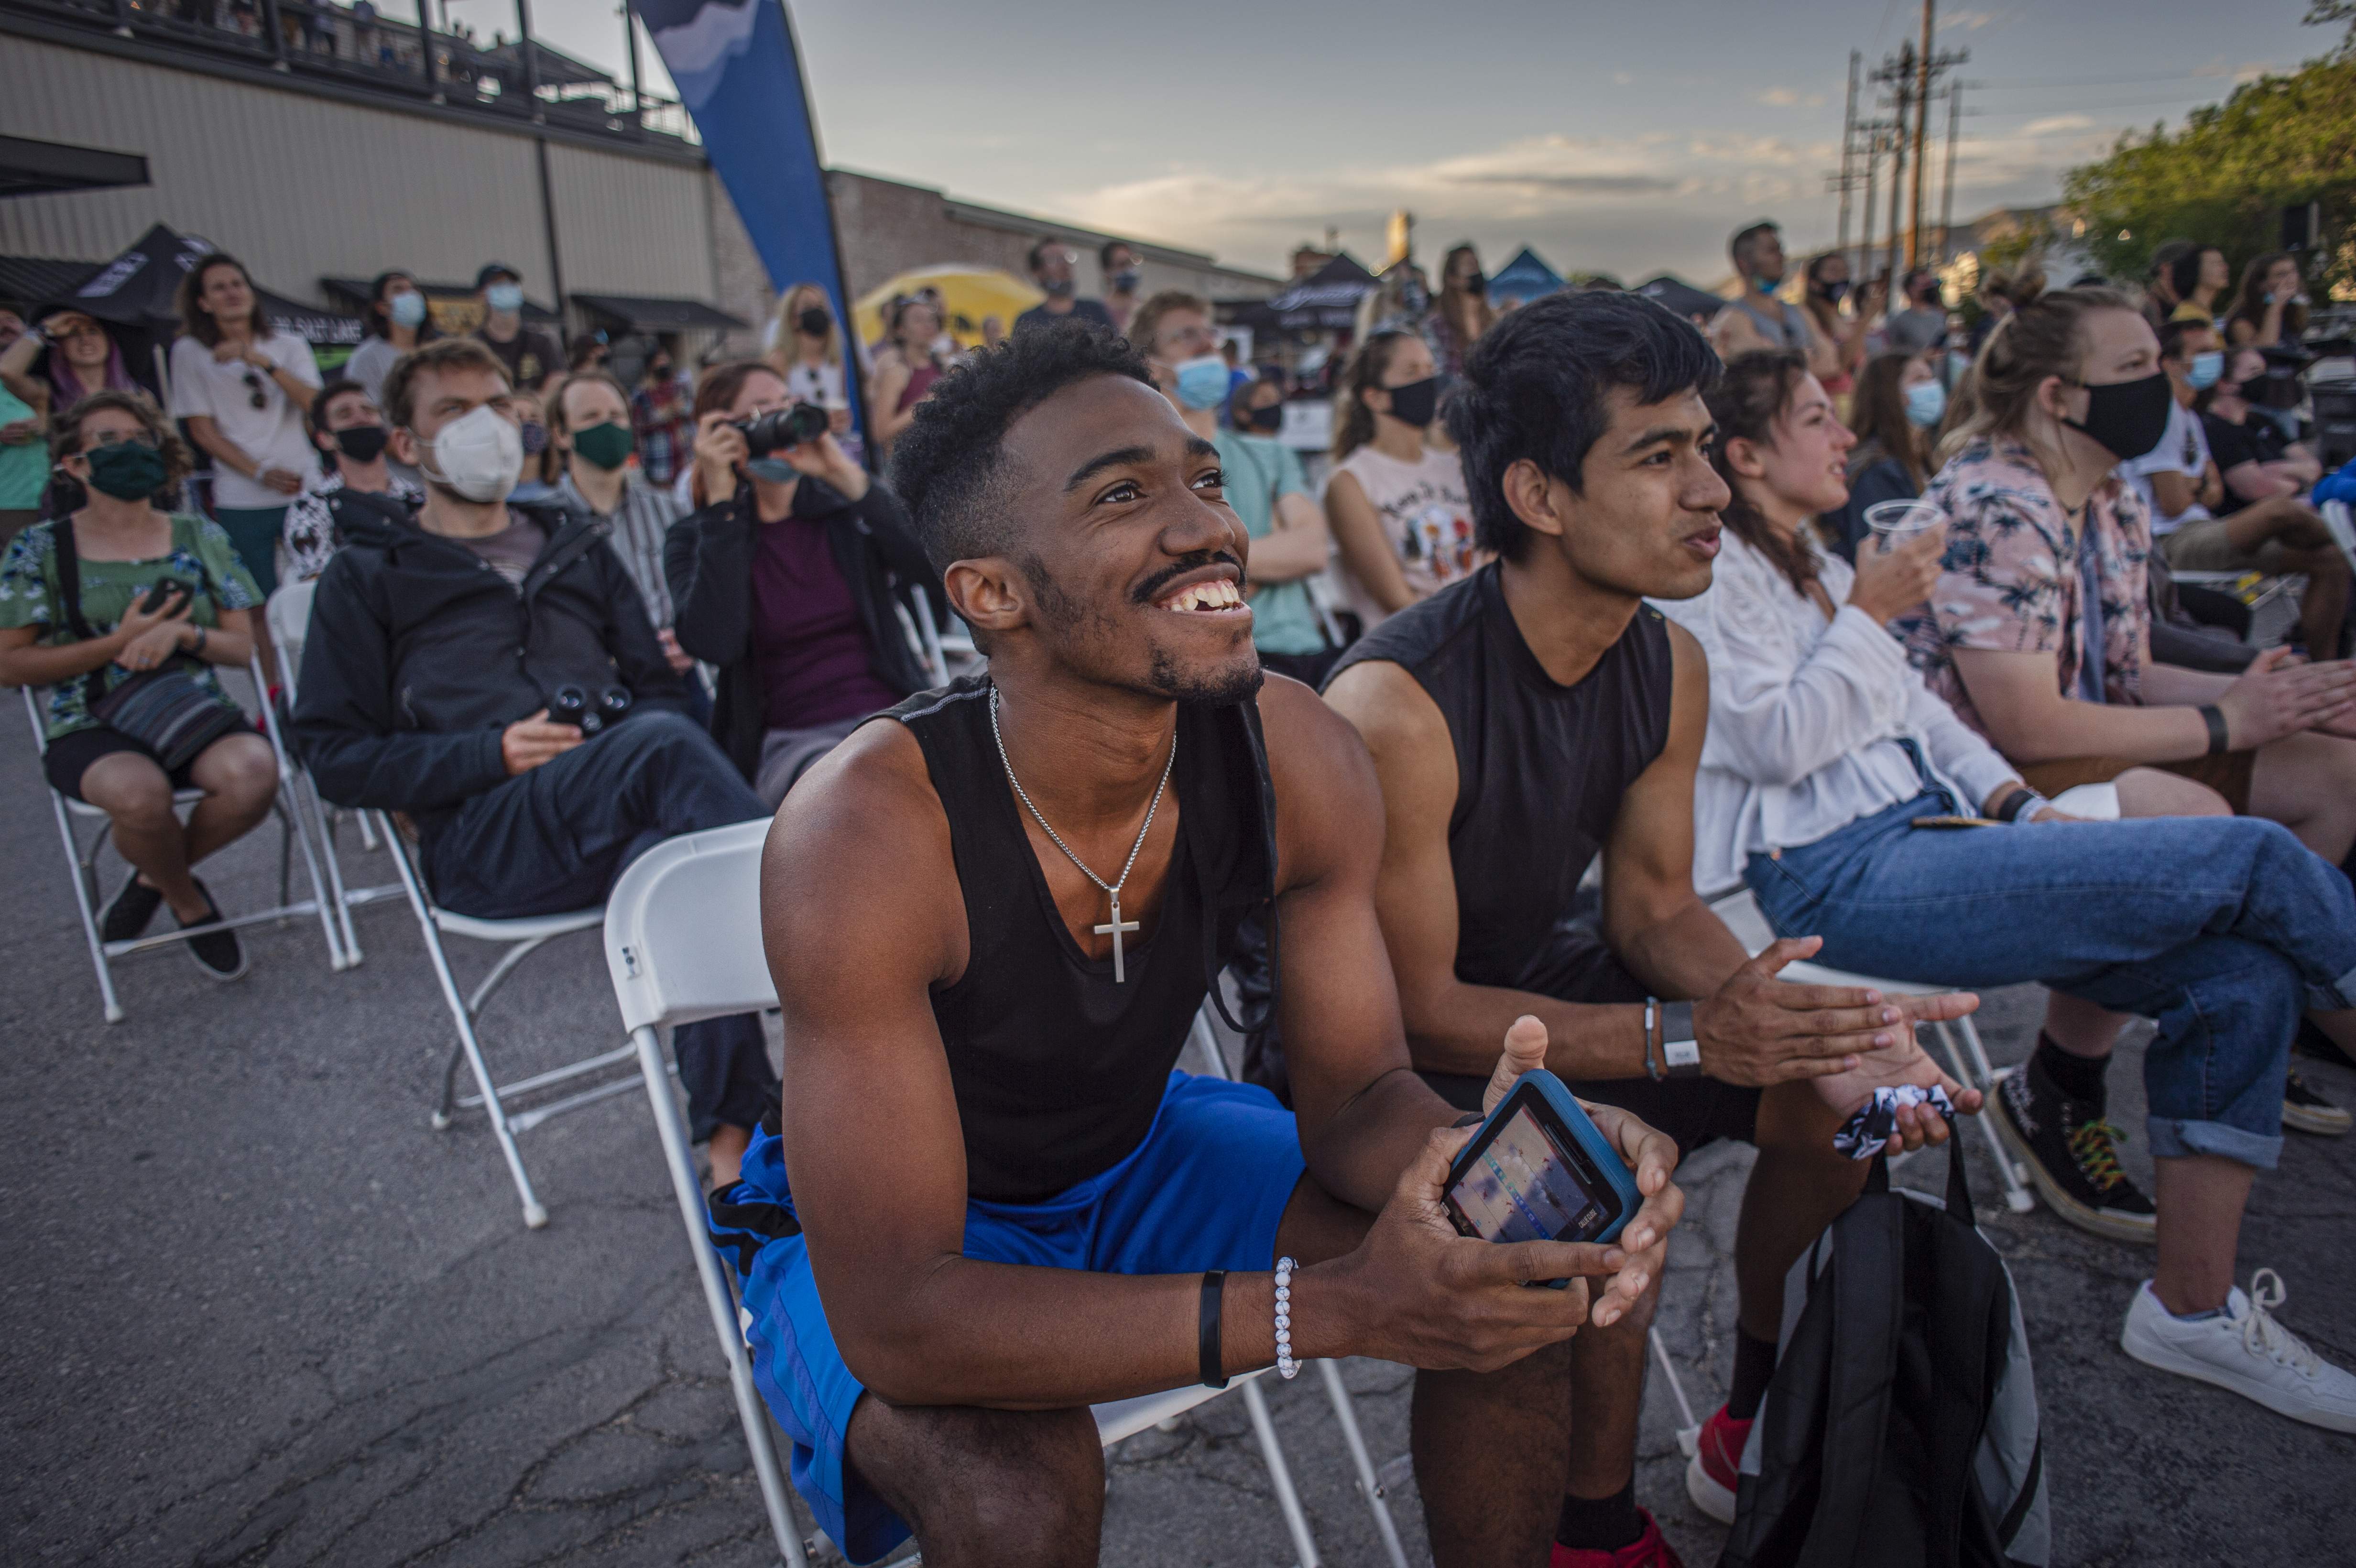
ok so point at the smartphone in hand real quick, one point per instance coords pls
(1539, 1170)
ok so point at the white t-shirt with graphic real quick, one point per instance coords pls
(1426, 517)
(2183, 450)
(271, 435)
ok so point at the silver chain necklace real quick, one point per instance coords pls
(1116, 926)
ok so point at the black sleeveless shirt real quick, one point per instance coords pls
(1540, 767)
(1058, 1071)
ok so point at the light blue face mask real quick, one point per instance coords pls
(2207, 369)
(505, 298)
(1202, 382)
(772, 470)
(1926, 404)
(408, 310)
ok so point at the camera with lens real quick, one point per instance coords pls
(795, 426)
(571, 705)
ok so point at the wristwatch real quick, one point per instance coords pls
(1679, 1050)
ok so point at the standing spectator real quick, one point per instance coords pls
(1051, 268)
(243, 385)
(905, 371)
(589, 352)
(397, 321)
(661, 419)
(589, 421)
(1756, 318)
(1829, 285)
(1118, 261)
(1263, 481)
(1895, 417)
(350, 431)
(23, 445)
(83, 357)
(1998, 292)
(2200, 278)
(784, 579)
(415, 700)
(1397, 506)
(1400, 301)
(1922, 323)
(540, 462)
(2271, 307)
(809, 353)
(1462, 313)
(82, 645)
(531, 355)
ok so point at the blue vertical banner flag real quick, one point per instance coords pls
(739, 72)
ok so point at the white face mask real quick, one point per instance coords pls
(479, 455)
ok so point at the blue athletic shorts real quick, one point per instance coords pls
(1205, 1189)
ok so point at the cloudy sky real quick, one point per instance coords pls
(1626, 138)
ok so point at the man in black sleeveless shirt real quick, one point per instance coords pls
(1540, 712)
(991, 915)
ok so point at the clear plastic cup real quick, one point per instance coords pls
(1896, 522)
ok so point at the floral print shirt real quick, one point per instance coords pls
(2012, 583)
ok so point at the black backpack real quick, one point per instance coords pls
(1901, 1428)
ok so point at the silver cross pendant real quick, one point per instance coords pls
(1116, 926)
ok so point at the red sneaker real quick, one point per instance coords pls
(1712, 1472)
(1647, 1551)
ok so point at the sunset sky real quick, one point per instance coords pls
(1622, 138)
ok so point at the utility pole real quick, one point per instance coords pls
(1901, 77)
(1948, 197)
(1922, 134)
(1857, 268)
(1848, 150)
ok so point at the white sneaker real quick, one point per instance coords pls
(2245, 1350)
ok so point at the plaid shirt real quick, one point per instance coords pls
(661, 418)
(639, 521)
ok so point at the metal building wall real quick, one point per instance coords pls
(302, 187)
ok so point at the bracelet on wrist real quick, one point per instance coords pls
(2221, 738)
(1286, 1366)
(2022, 801)
(1652, 1010)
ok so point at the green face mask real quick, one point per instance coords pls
(608, 445)
(127, 470)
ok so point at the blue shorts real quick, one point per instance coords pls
(1205, 1189)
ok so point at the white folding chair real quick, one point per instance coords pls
(683, 943)
(1970, 1067)
(289, 617)
(83, 859)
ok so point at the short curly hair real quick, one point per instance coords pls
(948, 467)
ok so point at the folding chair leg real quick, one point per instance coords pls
(750, 1413)
(290, 809)
(1345, 1413)
(1296, 1523)
(1977, 1072)
(318, 815)
(80, 873)
(534, 1214)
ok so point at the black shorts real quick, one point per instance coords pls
(71, 754)
(1578, 967)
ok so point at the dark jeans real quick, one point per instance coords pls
(557, 837)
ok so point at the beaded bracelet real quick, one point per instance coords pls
(1285, 1365)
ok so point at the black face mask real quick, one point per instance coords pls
(2126, 419)
(1478, 284)
(361, 443)
(1833, 293)
(814, 322)
(1416, 402)
(1268, 420)
(659, 369)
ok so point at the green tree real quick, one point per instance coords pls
(2224, 177)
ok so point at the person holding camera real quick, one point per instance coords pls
(784, 578)
(89, 605)
(488, 669)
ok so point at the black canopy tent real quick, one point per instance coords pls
(28, 167)
(640, 313)
(1326, 301)
(1681, 296)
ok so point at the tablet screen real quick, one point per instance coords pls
(1526, 1187)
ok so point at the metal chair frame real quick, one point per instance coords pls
(88, 897)
(668, 971)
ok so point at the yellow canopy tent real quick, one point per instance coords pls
(969, 293)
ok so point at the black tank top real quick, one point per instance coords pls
(1058, 1071)
(1540, 767)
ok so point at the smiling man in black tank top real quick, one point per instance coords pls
(1538, 713)
(991, 915)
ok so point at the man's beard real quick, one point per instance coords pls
(1238, 680)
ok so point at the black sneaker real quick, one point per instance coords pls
(2072, 1158)
(217, 953)
(2310, 1111)
(2312, 1042)
(128, 916)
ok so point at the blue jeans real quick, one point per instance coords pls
(559, 836)
(2222, 929)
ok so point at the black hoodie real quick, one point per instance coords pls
(420, 654)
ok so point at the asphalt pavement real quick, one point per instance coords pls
(253, 1310)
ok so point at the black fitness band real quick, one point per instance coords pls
(1209, 1348)
(2219, 739)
